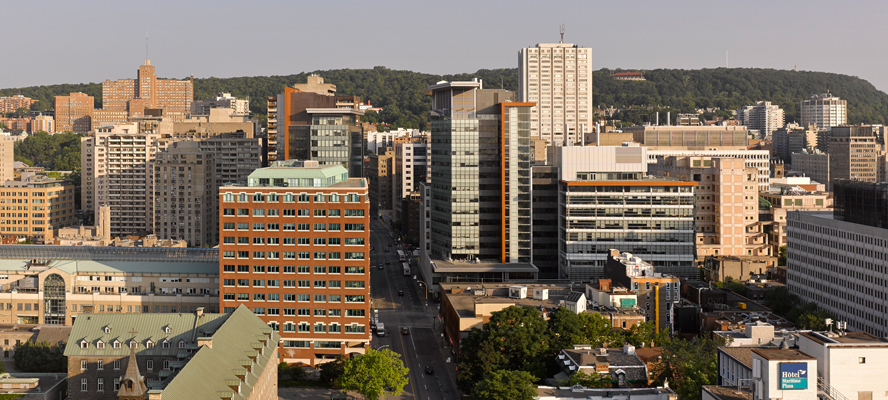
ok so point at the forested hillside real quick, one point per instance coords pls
(400, 93)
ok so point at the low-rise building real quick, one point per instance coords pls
(657, 292)
(57, 284)
(852, 363)
(43, 205)
(571, 393)
(736, 268)
(622, 365)
(170, 356)
(34, 386)
(787, 374)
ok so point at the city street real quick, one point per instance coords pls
(422, 346)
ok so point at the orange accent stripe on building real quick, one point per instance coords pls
(284, 135)
(503, 182)
(629, 183)
(657, 306)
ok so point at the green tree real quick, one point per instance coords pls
(40, 357)
(781, 257)
(505, 384)
(690, 364)
(516, 338)
(646, 333)
(590, 380)
(379, 373)
(331, 371)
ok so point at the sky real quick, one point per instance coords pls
(51, 42)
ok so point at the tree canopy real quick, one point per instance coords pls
(376, 374)
(59, 152)
(505, 384)
(400, 93)
(689, 364)
(40, 357)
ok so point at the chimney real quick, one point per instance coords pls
(205, 341)
(155, 394)
(604, 285)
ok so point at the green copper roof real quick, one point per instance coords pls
(287, 171)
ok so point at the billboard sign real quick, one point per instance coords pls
(793, 376)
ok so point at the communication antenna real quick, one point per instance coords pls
(562, 33)
(146, 45)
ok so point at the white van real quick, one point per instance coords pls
(380, 329)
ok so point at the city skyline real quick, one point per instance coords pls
(718, 28)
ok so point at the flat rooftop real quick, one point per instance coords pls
(550, 392)
(783, 354)
(728, 392)
(464, 299)
(846, 338)
(443, 266)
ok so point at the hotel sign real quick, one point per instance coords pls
(793, 376)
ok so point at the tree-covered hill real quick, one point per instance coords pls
(400, 93)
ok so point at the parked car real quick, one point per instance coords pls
(405, 330)
(380, 266)
(387, 262)
(429, 370)
(400, 292)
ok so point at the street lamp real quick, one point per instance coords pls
(424, 286)
(381, 347)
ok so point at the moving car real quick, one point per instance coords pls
(429, 370)
(380, 266)
(387, 262)
(400, 292)
(405, 330)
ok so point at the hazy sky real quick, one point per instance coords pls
(49, 42)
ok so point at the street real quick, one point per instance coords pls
(422, 346)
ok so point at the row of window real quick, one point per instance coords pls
(292, 212)
(291, 198)
(301, 241)
(304, 227)
(100, 344)
(306, 298)
(289, 269)
(292, 255)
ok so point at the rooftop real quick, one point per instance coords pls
(118, 267)
(782, 354)
(728, 393)
(743, 355)
(455, 84)
(851, 338)
(443, 266)
(579, 392)
(22, 253)
(35, 382)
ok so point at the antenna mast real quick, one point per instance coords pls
(562, 33)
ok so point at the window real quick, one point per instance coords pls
(181, 344)
(861, 360)
(83, 365)
(116, 364)
(149, 364)
(116, 384)
(100, 385)
(116, 344)
(100, 365)
(100, 344)
(83, 385)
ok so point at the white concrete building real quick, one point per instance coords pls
(558, 78)
(411, 166)
(825, 110)
(841, 266)
(237, 107)
(762, 116)
(853, 364)
(758, 159)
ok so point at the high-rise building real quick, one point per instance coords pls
(794, 138)
(480, 184)
(7, 158)
(295, 249)
(136, 96)
(863, 203)
(74, 113)
(763, 117)
(319, 127)
(117, 171)
(187, 177)
(775, 204)
(657, 292)
(605, 201)
(813, 164)
(379, 175)
(13, 103)
(411, 165)
(854, 153)
(558, 78)
(841, 266)
(48, 206)
(824, 110)
(727, 204)
(545, 228)
(760, 160)
(235, 107)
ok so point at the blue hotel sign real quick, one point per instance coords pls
(793, 376)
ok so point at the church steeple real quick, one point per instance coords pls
(132, 386)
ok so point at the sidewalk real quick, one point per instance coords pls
(306, 393)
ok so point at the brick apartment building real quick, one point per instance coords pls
(295, 249)
(13, 103)
(135, 96)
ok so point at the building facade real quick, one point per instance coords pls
(48, 206)
(825, 111)
(558, 78)
(172, 356)
(605, 201)
(544, 205)
(657, 293)
(727, 205)
(14, 102)
(56, 284)
(813, 164)
(758, 159)
(74, 113)
(780, 202)
(411, 165)
(118, 172)
(295, 250)
(135, 96)
(379, 175)
(855, 153)
(762, 116)
(862, 203)
(794, 138)
(234, 106)
(7, 158)
(841, 266)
